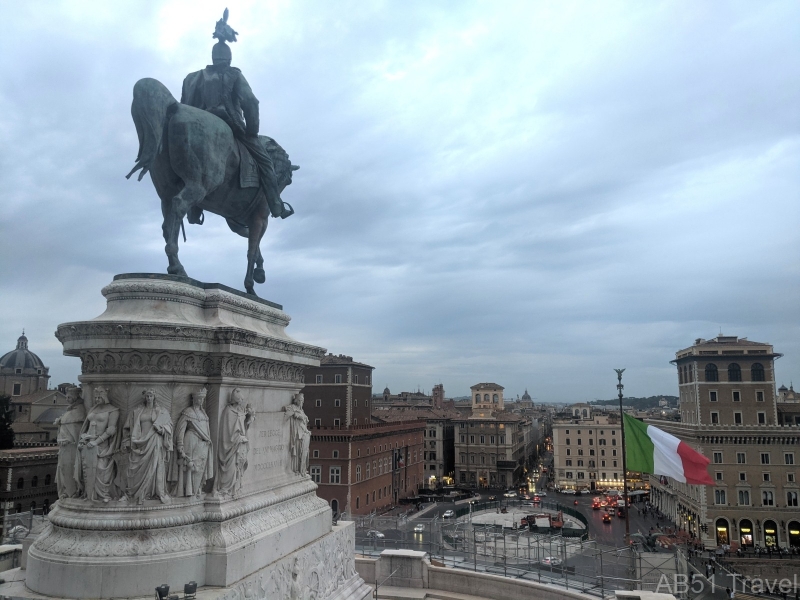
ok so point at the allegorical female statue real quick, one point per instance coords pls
(96, 445)
(299, 435)
(193, 462)
(69, 432)
(233, 445)
(147, 435)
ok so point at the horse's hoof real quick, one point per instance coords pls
(251, 291)
(259, 276)
(179, 271)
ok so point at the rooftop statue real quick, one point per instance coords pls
(205, 153)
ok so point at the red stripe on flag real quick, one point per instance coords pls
(694, 465)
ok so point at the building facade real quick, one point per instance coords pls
(729, 412)
(587, 449)
(27, 481)
(366, 468)
(491, 445)
(21, 371)
(338, 392)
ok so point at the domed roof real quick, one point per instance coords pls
(386, 391)
(526, 395)
(21, 358)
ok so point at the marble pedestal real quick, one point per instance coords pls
(176, 336)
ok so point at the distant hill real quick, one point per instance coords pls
(640, 403)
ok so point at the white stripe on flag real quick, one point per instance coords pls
(666, 460)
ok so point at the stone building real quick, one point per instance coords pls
(366, 468)
(360, 466)
(729, 412)
(338, 392)
(492, 445)
(21, 371)
(27, 480)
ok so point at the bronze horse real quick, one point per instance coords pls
(194, 163)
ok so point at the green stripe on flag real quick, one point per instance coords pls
(639, 447)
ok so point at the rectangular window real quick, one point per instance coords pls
(318, 402)
(337, 402)
(579, 441)
(741, 458)
(335, 454)
(355, 378)
(568, 462)
(788, 458)
(759, 396)
(767, 498)
(614, 452)
(719, 497)
(712, 396)
(791, 499)
(744, 498)
(317, 422)
(17, 391)
(715, 418)
(742, 476)
(737, 396)
(483, 439)
(580, 463)
(316, 474)
(568, 452)
(718, 458)
(355, 403)
(602, 463)
(319, 378)
(337, 379)
(737, 418)
(766, 476)
(615, 463)
(790, 477)
(491, 439)
(316, 453)
(336, 475)
(567, 441)
(337, 422)
(366, 380)
(472, 439)
(765, 458)
(463, 438)
(762, 418)
(502, 439)
(718, 476)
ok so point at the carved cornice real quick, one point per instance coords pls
(56, 540)
(127, 516)
(137, 362)
(221, 337)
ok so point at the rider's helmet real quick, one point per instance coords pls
(221, 53)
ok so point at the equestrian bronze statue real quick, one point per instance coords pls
(204, 154)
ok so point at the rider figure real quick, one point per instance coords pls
(223, 91)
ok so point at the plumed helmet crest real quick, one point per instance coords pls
(224, 32)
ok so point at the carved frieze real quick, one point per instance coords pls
(188, 363)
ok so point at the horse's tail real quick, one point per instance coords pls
(152, 108)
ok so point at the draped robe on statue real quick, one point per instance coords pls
(69, 432)
(147, 465)
(190, 473)
(95, 469)
(233, 447)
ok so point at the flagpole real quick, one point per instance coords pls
(624, 459)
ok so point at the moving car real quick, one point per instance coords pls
(542, 493)
(551, 561)
(492, 498)
(606, 518)
(419, 528)
(621, 513)
(510, 495)
(536, 499)
(374, 533)
(596, 503)
(449, 514)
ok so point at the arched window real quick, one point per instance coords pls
(585, 413)
(335, 506)
(722, 531)
(46, 507)
(47, 479)
(486, 397)
(358, 501)
(35, 481)
(757, 372)
(712, 374)
(495, 398)
(734, 372)
(20, 483)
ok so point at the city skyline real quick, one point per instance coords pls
(533, 196)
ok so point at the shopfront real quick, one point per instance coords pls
(770, 534)
(794, 534)
(722, 532)
(746, 531)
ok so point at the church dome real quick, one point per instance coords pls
(21, 358)
(386, 391)
(526, 395)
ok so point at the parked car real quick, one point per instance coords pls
(374, 533)
(449, 514)
(551, 561)
(542, 493)
(568, 492)
(419, 528)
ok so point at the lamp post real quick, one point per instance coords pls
(620, 387)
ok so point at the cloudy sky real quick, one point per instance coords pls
(529, 193)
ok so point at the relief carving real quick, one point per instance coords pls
(69, 431)
(233, 446)
(193, 460)
(299, 435)
(98, 439)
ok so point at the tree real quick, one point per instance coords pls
(6, 419)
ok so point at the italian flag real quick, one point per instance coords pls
(651, 450)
